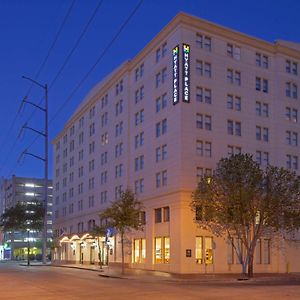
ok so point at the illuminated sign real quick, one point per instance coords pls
(186, 73)
(176, 75)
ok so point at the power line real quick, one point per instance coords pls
(29, 90)
(98, 60)
(77, 43)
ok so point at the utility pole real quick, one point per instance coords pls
(45, 158)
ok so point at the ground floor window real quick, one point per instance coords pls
(204, 250)
(162, 250)
(263, 251)
(139, 253)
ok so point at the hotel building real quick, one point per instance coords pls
(24, 190)
(196, 93)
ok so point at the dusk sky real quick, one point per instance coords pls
(28, 31)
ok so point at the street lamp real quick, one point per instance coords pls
(45, 158)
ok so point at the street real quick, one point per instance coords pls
(46, 282)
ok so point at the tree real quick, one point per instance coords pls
(246, 202)
(22, 217)
(98, 232)
(123, 215)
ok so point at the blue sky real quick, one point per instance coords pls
(28, 29)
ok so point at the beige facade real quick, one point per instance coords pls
(128, 133)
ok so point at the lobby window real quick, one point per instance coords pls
(262, 134)
(234, 102)
(291, 114)
(234, 128)
(262, 109)
(233, 150)
(291, 67)
(292, 162)
(203, 42)
(233, 51)
(204, 250)
(262, 84)
(139, 253)
(291, 90)
(262, 158)
(263, 253)
(162, 250)
(261, 60)
(291, 138)
(203, 95)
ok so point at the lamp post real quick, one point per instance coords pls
(28, 248)
(45, 159)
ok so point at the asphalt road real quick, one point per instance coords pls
(46, 282)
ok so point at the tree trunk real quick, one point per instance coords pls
(122, 246)
(250, 264)
(12, 245)
(99, 253)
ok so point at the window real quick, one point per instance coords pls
(119, 107)
(161, 153)
(203, 148)
(139, 117)
(118, 150)
(262, 134)
(139, 163)
(91, 183)
(203, 95)
(203, 122)
(80, 138)
(292, 162)
(103, 158)
(291, 90)
(104, 119)
(262, 84)
(203, 68)
(91, 147)
(262, 158)
(92, 129)
(104, 101)
(201, 172)
(204, 250)
(139, 72)
(234, 128)
(166, 214)
(158, 215)
(103, 177)
(161, 103)
(80, 205)
(118, 191)
(203, 42)
(119, 87)
(161, 128)
(291, 138)
(139, 94)
(119, 128)
(161, 179)
(139, 140)
(262, 109)
(234, 102)
(291, 67)
(139, 186)
(139, 253)
(92, 112)
(160, 77)
(234, 77)
(261, 60)
(118, 170)
(233, 150)
(103, 197)
(104, 139)
(291, 114)
(162, 250)
(233, 51)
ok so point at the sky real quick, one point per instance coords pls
(56, 42)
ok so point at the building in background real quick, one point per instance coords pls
(196, 93)
(24, 190)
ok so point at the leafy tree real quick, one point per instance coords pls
(99, 232)
(22, 217)
(246, 203)
(123, 215)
